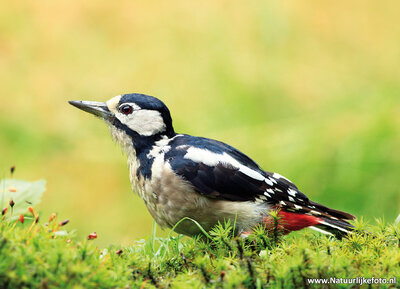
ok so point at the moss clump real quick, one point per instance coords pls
(35, 255)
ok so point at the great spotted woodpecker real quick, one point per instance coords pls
(179, 175)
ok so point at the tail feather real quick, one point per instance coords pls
(339, 228)
(295, 216)
(333, 221)
(332, 212)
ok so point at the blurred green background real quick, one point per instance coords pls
(308, 89)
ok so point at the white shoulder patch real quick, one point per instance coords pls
(210, 158)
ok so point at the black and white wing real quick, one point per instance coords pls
(217, 170)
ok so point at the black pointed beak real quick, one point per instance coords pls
(99, 109)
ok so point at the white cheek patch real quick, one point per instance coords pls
(144, 122)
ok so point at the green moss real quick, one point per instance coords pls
(35, 255)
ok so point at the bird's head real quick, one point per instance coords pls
(139, 116)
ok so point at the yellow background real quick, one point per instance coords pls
(309, 89)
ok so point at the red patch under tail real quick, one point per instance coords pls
(288, 221)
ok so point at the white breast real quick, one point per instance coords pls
(169, 198)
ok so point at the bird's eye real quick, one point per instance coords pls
(126, 109)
